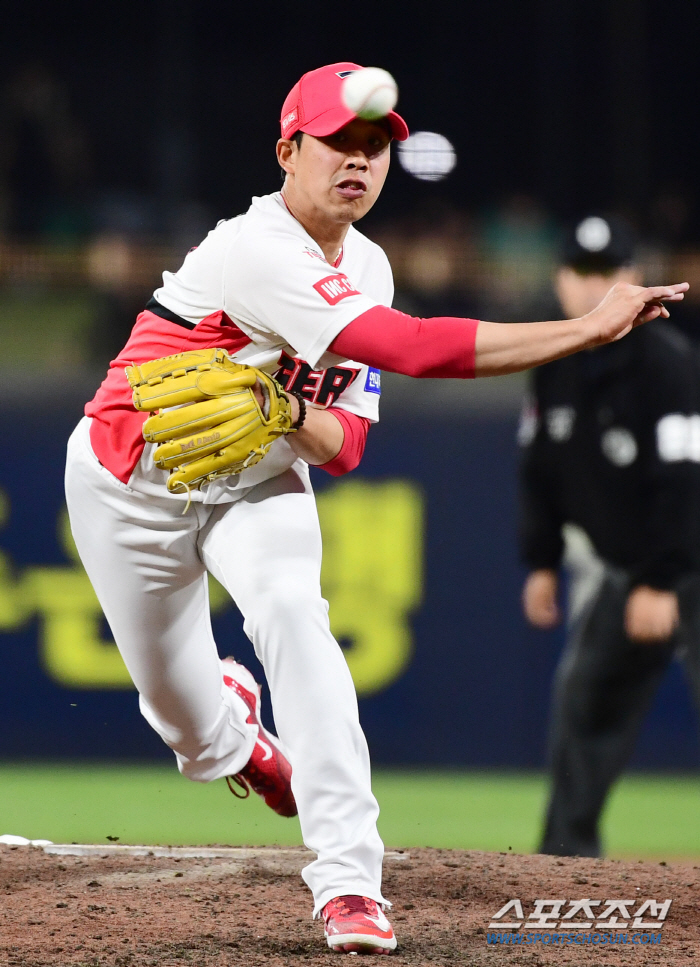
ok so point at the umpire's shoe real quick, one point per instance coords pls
(268, 771)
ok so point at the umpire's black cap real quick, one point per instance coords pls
(598, 244)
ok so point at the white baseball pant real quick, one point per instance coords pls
(148, 562)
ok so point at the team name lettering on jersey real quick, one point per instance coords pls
(322, 387)
(335, 287)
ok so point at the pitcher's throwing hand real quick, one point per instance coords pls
(626, 306)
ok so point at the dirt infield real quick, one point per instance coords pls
(253, 909)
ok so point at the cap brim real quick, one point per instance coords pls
(331, 121)
(399, 128)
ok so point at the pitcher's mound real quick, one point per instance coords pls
(245, 907)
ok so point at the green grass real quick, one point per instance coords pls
(139, 804)
(58, 321)
(649, 816)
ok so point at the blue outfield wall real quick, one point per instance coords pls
(422, 576)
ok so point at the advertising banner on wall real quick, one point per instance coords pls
(421, 574)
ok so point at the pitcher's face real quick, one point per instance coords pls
(340, 175)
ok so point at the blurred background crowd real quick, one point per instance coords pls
(124, 137)
(80, 252)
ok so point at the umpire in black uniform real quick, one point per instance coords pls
(609, 488)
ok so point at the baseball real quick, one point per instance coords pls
(370, 93)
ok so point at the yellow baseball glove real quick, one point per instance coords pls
(207, 421)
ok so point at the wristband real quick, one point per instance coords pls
(302, 411)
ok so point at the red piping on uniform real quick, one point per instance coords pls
(439, 348)
(115, 432)
(355, 429)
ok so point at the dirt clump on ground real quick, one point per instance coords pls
(150, 911)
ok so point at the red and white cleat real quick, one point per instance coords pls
(357, 925)
(268, 772)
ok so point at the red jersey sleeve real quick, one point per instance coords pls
(355, 430)
(441, 347)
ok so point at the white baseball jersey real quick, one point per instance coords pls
(259, 287)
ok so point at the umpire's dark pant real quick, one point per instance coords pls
(603, 687)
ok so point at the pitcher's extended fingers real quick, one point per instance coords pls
(666, 293)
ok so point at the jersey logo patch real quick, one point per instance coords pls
(373, 383)
(322, 387)
(335, 287)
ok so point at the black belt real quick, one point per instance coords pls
(158, 310)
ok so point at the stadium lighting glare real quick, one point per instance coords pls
(427, 155)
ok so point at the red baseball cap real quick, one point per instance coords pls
(315, 105)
